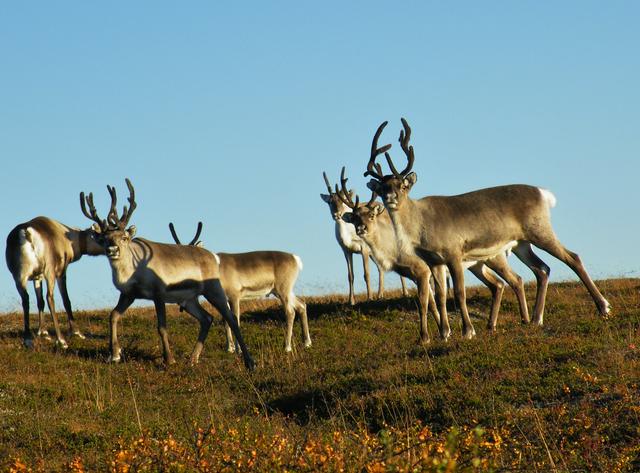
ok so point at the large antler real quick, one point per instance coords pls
(192, 242)
(112, 221)
(375, 170)
(405, 135)
(91, 214)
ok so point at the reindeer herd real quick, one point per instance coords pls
(420, 240)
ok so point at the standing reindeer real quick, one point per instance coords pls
(43, 249)
(351, 244)
(447, 231)
(374, 226)
(163, 273)
(258, 274)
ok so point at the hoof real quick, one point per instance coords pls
(469, 334)
(605, 309)
(62, 344)
(115, 358)
(44, 334)
(288, 349)
(231, 349)
(28, 343)
(249, 364)
(307, 344)
(79, 334)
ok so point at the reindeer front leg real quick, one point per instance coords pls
(123, 304)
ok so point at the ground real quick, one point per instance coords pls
(365, 397)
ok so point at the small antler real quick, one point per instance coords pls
(194, 241)
(343, 193)
(326, 181)
(374, 170)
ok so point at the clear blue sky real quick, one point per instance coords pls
(228, 112)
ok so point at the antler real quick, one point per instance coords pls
(374, 170)
(112, 220)
(343, 194)
(92, 214)
(326, 181)
(405, 135)
(192, 242)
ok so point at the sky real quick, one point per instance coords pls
(228, 112)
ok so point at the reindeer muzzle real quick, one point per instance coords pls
(113, 252)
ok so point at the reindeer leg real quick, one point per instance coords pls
(27, 338)
(495, 285)
(457, 275)
(541, 271)
(214, 293)
(52, 308)
(42, 329)
(62, 285)
(123, 304)
(349, 257)
(161, 315)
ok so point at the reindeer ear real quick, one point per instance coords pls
(131, 231)
(96, 228)
(410, 179)
(199, 244)
(325, 197)
(375, 186)
(348, 217)
(378, 208)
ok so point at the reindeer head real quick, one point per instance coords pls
(362, 216)
(112, 233)
(393, 188)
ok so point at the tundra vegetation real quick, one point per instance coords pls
(365, 397)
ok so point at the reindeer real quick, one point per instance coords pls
(351, 244)
(258, 274)
(163, 273)
(43, 248)
(374, 226)
(476, 226)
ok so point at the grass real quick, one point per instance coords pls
(365, 397)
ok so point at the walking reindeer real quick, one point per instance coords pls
(258, 274)
(163, 273)
(447, 231)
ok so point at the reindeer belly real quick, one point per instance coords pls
(256, 292)
(482, 254)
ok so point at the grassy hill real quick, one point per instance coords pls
(365, 397)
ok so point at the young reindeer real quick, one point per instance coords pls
(476, 226)
(258, 274)
(374, 226)
(163, 273)
(43, 248)
(351, 244)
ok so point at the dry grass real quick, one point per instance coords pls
(365, 397)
